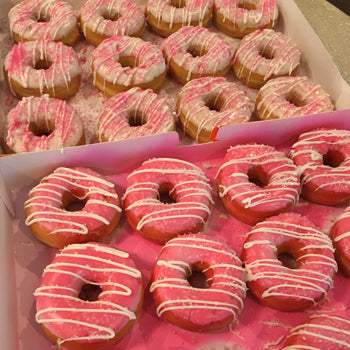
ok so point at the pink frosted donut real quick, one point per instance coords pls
(340, 235)
(44, 19)
(134, 113)
(198, 309)
(238, 18)
(39, 67)
(264, 55)
(194, 52)
(323, 160)
(185, 183)
(43, 123)
(165, 17)
(286, 97)
(122, 62)
(257, 181)
(307, 276)
(102, 19)
(205, 104)
(329, 331)
(49, 214)
(89, 297)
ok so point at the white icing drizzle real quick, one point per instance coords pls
(197, 245)
(61, 305)
(322, 330)
(188, 184)
(315, 276)
(283, 181)
(47, 209)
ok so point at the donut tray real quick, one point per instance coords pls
(23, 257)
(88, 101)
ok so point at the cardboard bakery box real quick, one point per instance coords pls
(23, 257)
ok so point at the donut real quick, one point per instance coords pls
(39, 67)
(158, 218)
(238, 18)
(264, 55)
(43, 123)
(205, 104)
(289, 96)
(323, 160)
(89, 297)
(134, 113)
(321, 331)
(290, 263)
(72, 205)
(122, 62)
(256, 181)
(42, 19)
(102, 19)
(213, 303)
(340, 235)
(194, 52)
(165, 17)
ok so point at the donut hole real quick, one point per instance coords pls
(111, 15)
(333, 158)
(136, 118)
(165, 194)
(246, 5)
(295, 99)
(42, 63)
(257, 176)
(90, 292)
(196, 50)
(71, 202)
(178, 3)
(40, 17)
(197, 279)
(40, 130)
(266, 51)
(214, 103)
(287, 259)
(127, 61)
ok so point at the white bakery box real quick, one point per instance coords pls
(23, 257)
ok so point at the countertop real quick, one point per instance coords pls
(333, 28)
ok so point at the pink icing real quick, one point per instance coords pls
(150, 62)
(187, 184)
(234, 11)
(198, 308)
(216, 53)
(237, 107)
(120, 110)
(308, 152)
(60, 16)
(273, 282)
(281, 190)
(48, 114)
(101, 203)
(274, 97)
(130, 20)
(69, 318)
(285, 56)
(20, 65)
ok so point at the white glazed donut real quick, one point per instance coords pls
(102, 19)
(238, 18)
(43, 123)
(44, 19)
(122, 62)
(134, 113)
(194, 52)
(39, 67)
(167, 16)
(205, 104)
